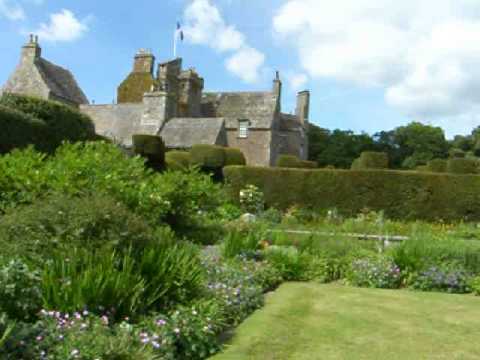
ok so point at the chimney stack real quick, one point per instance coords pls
(277, 85)
(303, 106)
(144, 62)
(32, 50)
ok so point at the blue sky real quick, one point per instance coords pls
(371, 65)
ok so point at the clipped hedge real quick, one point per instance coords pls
(182, 158)
(150, 147)
(288, 161)
(64, 122)
(305, 164)
(234, 157)
(401, 194)
(437, 165)
(462, 166)
(18, 130)
(209, 157)
(371, 160)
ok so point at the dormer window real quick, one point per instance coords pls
(243, 128)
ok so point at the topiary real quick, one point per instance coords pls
(64, 123)
(174, 166)
(288, 161)
(462, 166)
(181, 158)
(234, 157)
(437, 165)
(150, 147)
(308, 164)
(208, 157)
(371, 160)
(20, 130)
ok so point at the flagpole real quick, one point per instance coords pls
(175, 44)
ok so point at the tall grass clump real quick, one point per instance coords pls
(242, 241)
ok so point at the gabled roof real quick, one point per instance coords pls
(61, 82)
(183, 133)
(258, 107)
(289, 122)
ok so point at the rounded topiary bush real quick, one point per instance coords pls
(209, 157)
(371, 160)
(437, 165)
(234, 157)
(288, 161)
(65, 123)
(174, 166)
(182, 158)
(462, 166)
(62, 223)
(18, 130)
(150, 147)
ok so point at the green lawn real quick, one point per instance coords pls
(305, 321)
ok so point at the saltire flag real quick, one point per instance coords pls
(180, 31)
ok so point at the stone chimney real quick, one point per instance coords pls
(277, 86)
(303, 106)
(32, 50)
(144, 62)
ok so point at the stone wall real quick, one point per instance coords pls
(27, 80)
(256, 146)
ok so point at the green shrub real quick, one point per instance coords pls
(437, 166)
(289, 262)
(288, 161)
(173, 166)
(422, 168)
(60, 222)
(308, 164)
(181, 158)
(400, 194)
(64, 122)
(234, 157)
(371, 160)
(20, 130)
(20, 294)
(462, 166)
(209, 157)
(152, 148)
(457, 153)
(238, 243)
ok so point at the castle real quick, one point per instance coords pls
(171, 103)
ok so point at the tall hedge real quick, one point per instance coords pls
(462, 166)
(64, 122)
(18, 130)
(401, 194)
(234, 157)
(288, 161)
(209, 157)
(437, 165)
(371, 160)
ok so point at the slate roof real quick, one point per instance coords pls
(61, 82)
(289, 122)
(258, 107)
(183, 133)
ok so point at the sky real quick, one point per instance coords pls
(371, 65)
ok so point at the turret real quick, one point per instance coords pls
(190, 94)
(32, 50)
(140, 80)
(303, 106)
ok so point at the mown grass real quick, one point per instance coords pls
(308, 321)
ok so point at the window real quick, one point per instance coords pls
(243, 128)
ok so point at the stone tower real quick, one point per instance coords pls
(140, 80)
(190, 94)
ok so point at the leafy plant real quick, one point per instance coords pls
(251, 199)
(242, 242)
(447, 277)
(20, 293)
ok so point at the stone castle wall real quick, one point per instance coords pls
(256, 147)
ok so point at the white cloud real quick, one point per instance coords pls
(204, 25)
(11, 10)
(63, 26)
(245, 63)
(297, 81)
(426, 54)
